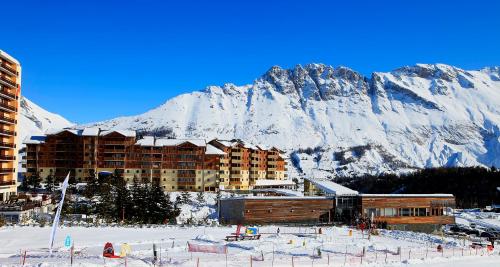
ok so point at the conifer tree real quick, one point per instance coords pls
(49, 183)
(185, 197)
(200, 197)
(123, 200)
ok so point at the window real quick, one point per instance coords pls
(390, 212)
(405, 212)
(420, 212)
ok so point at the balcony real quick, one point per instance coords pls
(4, 92)
(6, 170)
(8, 107)
(8, 82)
(7, 120)
(8, 145)
(9, 69)
(7, 158)
(5, 183)
(7, 132)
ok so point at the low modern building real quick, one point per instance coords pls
(177, 164)
(276, 210)
(327, 202)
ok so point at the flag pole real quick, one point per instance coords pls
(55, 224)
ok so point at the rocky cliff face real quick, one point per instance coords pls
(334, 121)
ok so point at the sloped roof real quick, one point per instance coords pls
(127, 133)
(176, 142)
(34, 139)
(146, 141)
(268, 182)
(90, 132)
(211, 150)
(332, 188)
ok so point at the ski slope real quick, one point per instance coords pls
(300, 243)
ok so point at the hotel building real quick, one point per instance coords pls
(10, 90)
(176, 164)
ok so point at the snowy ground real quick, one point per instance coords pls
(299, 245)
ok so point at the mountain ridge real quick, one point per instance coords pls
(426, 115)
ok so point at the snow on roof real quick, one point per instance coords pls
(146, 141)
(127, 133)
(284, 192)
(57, 131)
(276, 197)
(407, 195)
(35, 139)
(266, 182)
(9, 57)
(176, 142)
(90, 132)
(331, 188)
(211, 150)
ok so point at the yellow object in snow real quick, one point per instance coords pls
(350, 232)
(125, 249)
(291, 241)
(304, 243)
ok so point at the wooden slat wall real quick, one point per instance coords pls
(401, 202)
(280, 210)
(418, 220)
(408, 202)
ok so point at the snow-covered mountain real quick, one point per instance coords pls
(335, 121)
(35, 120)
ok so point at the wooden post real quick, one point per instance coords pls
(198, 262)
(251, 262)
(345, 255)
(293, 265)
(386, 256)
(24, 258)
(328, 259)
(409, 254)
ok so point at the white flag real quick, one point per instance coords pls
(58, 213)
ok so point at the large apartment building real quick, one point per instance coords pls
(177, 164)
(242, 164)
(10, 90)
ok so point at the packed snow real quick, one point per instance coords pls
(302, 245)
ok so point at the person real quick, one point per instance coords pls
(278, 231)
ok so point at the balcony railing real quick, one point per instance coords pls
(3, 183)
(2, 144)
(6, 157)
(6, 93)
(7, 132)
(7, 119)
(8, 107)
(8, 68)
(6, 170)
(9, 82)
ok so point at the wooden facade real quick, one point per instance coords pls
(243, 164)
(408, 209)
(178, 165)
(271, 210)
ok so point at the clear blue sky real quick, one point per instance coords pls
(94, 60)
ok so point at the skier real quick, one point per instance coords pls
(278, 231)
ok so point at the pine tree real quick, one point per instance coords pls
(49, 183)
(200, 197)
(139, 210)
(123, 201)
(185, 198)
